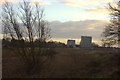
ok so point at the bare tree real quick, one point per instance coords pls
(112, 31)
(31, 26)
(9, 21)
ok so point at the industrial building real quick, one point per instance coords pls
(86, 42)
(71, 43)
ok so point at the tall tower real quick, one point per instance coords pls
(86, 42)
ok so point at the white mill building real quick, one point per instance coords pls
(71, 43)
(86, 42)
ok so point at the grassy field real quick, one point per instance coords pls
(67, 63)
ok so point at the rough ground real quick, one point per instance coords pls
(67, 63)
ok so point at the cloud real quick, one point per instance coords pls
(71, 2)
(76, 29)
(31, 2)
(40, 2)
(84, 2)
(91, 6)
(10, 1)
(97, 10)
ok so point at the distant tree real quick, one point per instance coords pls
(95, 45)
(54, 44)
(25, 23)
(107, 43)
(111, 33)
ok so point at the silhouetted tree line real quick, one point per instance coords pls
(7, 43)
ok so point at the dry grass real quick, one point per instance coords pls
(68, 63)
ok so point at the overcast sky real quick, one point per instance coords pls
(71, 19)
